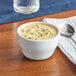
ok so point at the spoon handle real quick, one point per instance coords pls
(73, 41)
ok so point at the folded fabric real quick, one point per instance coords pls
(66, 44)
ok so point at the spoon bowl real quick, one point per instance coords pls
(68, 30)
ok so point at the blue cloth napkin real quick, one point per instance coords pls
(7, 13)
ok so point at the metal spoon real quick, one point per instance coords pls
(68, 31)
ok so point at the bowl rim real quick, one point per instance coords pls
(26, 24)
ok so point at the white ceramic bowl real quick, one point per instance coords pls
(37, 49)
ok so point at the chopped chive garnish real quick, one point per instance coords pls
(46, 33)
(31, 33)
(38, 36)
(37, 26)
(41, 35)
(29, 37)
(46, 29)
(38, 32)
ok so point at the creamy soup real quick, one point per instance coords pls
(39, 31)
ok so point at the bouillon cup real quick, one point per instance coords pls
(37, 49)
